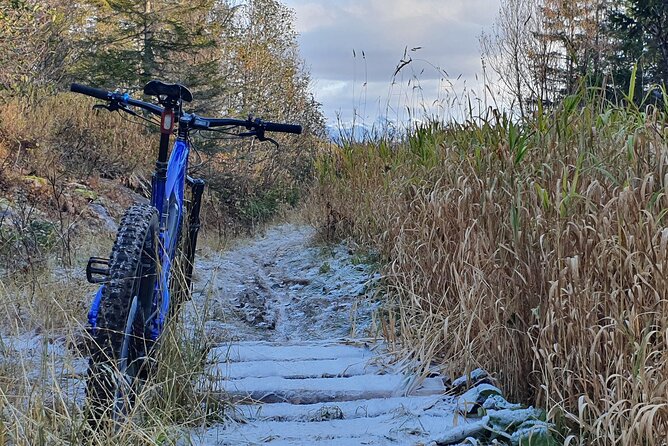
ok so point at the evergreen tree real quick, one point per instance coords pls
(129, 42)
(640, 30)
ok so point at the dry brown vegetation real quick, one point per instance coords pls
(58, 155)
(536, 250)
(60, 132)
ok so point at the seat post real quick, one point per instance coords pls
(160, 176)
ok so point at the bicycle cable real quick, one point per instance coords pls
(132, 113)
(225, 131)
(201, 161)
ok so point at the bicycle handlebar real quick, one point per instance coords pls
(116, 97)
(282, 128)
(258, 123)
(194, 121)
(90, 91)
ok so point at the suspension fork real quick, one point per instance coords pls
(194, 224)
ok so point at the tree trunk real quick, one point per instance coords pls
(148, 57)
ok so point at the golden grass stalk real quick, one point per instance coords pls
(535, 250)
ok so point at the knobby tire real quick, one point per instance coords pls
(114, 371)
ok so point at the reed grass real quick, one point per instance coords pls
(536, 250)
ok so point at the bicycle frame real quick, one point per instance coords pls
(147, 251)
(168, 197)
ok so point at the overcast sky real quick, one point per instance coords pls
(378, 31)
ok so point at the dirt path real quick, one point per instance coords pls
(300, 363)
(282, 287)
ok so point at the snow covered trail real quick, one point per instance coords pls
(282, 287)
(289, 326)
(290, 321)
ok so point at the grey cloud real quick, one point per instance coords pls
(331, 55)
(447, 31)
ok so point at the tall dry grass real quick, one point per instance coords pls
(59, 134)
(535, 250)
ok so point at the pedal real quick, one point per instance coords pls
(97, 270)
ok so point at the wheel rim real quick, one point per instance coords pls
(128, 362)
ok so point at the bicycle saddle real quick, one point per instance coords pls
(172, 91)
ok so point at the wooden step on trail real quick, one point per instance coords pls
(323, 393)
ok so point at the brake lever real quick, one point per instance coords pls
(111, 106)
(271, 140)
(259, 134)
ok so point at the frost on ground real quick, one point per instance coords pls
(282, 287)
(50, 364)
(289, 325)
(292, 333)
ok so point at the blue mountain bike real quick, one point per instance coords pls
(137, 288)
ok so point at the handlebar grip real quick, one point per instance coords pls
(91, 91)
(283, 128)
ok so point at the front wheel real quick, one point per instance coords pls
(120, 345)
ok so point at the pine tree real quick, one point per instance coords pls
(640, 30)
(129, 42)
